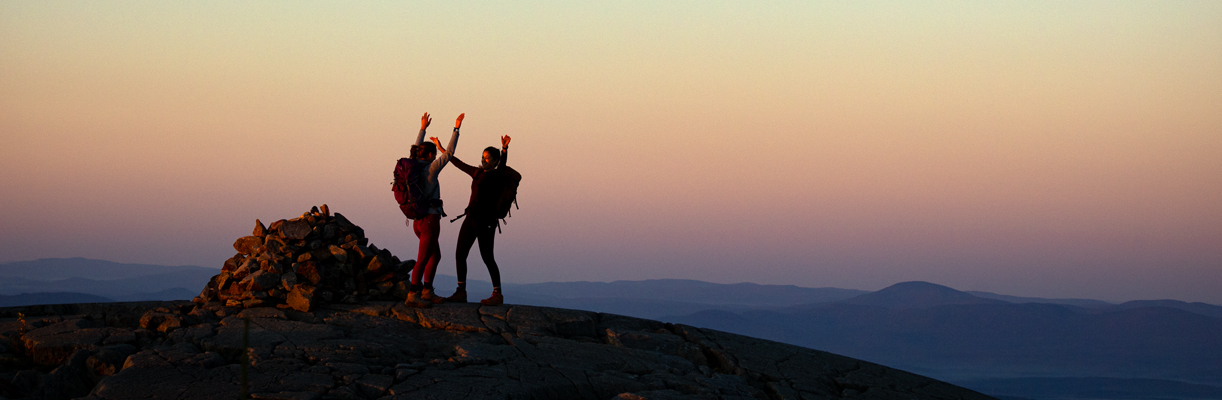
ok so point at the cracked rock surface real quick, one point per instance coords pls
(383, 350)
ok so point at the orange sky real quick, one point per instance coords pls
(1027, 148)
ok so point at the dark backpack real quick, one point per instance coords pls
(410, 175)
(493, 193)
(508, 181)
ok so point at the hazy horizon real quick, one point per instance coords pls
(1040, 149)
(446, 277)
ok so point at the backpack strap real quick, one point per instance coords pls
(436, 189)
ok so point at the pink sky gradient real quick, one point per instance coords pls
(1028, 148)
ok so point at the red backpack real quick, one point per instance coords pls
(410, 175)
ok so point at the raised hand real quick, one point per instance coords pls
(458, 122)
(505, 141)
(425, 121)
(438, 143)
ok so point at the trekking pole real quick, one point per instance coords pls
(245, 359)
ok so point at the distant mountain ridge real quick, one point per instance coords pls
(664, 297)
(693, 291)
(1086, 303)
(917, 294)
(1196, 307)
(26, 299)
(65, 280)
(50, 269)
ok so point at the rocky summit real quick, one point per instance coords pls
(383, 350)
(324, 328)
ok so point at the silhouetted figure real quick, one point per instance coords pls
(428, 228)
(488, 184)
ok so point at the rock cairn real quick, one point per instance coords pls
(300, 263)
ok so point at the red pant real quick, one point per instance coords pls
(428, 230)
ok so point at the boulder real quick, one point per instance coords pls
(156, 319)
(288, 280)
(310, 271)
(247, 244)
(260, 230)
(295, 229)
(378, 264)
(231, 264)
(108, 360)
(264, 280)
(68, 381)
(301, 298)
(338, 253)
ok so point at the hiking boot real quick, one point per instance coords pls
(495, 300)
(414, 300)
(459, 296)
(429, 296)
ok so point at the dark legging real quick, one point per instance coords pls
(485, 231)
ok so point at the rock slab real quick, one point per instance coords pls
(383, 350)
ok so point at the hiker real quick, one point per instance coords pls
(487, 185)
(427, 226)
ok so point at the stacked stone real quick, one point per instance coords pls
(303, 262)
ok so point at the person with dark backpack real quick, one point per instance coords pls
(494, 187)
(419, 196)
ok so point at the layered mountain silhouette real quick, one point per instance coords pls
(54, 269)
(58, 279)
(953, 335)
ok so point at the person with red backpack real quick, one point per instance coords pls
(493, 187)
(419, 196)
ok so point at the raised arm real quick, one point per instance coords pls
(504, 151)
(444, 158)
(454, 137)
(424, 124)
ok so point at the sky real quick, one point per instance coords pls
(1032, 148)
